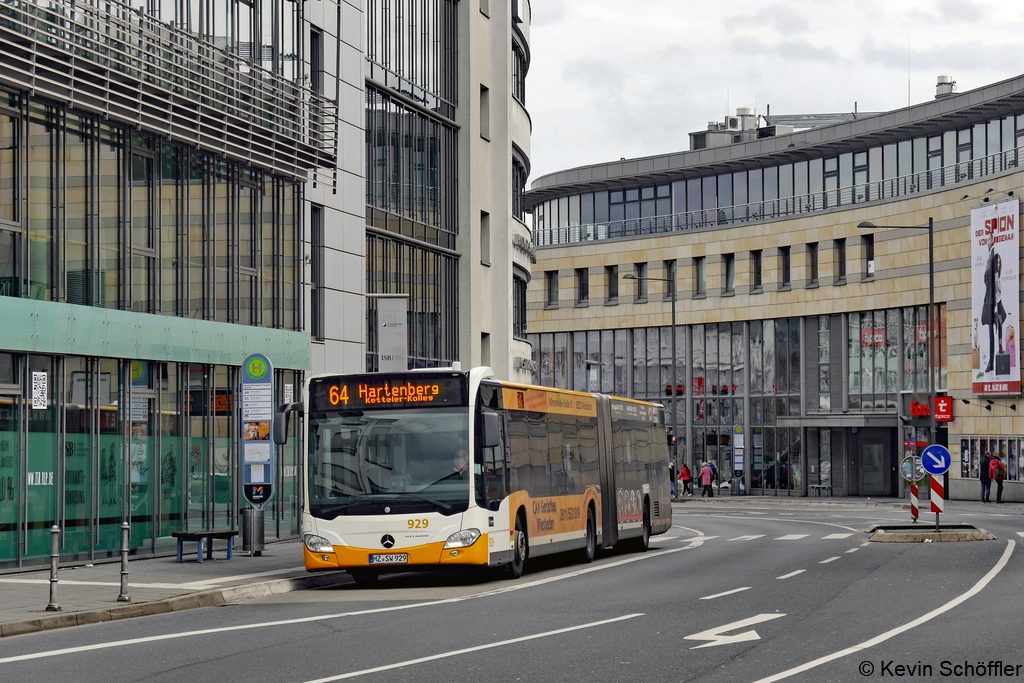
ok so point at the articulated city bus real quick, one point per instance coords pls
(442, 467)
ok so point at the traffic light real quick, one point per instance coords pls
(680, 390)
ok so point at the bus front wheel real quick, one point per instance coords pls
(519, 548)
(644, 542)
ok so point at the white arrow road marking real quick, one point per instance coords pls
(1020, 533)
(837, 537)
(696, 542)
(792, 537)
(747, 538)
(718, 595)
(717, 637)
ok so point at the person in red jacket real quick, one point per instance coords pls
(997, 472)
(687, 479)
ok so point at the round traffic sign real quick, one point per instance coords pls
(911, 469)
(936, 459)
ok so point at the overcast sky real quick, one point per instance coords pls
(615, 78)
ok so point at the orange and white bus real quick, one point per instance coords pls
(437, 468)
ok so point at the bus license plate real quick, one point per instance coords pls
(392, 558)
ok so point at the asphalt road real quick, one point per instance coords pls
(730, 594)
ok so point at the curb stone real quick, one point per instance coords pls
(178, 603)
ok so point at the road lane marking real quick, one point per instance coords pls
(955, 602)
(698, 532)
(865, 544)
(719, 595)
(835, 537)
(790, 575)
(696, 542)
(792, 537)
(772, 519)
(852, 550)
(831, 559)
(477, 648)
(747, 538)
(717, 637)
(1021, 534)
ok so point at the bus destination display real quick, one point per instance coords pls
(384, 391)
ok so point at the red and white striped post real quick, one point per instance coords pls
(938, 493)
(914, 512)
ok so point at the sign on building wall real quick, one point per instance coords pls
(995, 288)
(392, 335)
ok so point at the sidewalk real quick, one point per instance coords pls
(863, 502)
(88, 594)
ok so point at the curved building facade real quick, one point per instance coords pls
(806, 357)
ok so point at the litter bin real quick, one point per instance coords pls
(253, 532)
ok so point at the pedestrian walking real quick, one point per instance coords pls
(996, 473)
(986, 478)
(706, 476)
(672, 476)
(687, 479)
(714, 471)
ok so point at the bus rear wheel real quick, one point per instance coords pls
(590, 550)
(520, 548)
(644, 542)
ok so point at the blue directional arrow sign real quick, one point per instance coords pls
(936, 459)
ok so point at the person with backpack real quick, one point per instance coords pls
(714, 471)
(996, 473)
(986, 479)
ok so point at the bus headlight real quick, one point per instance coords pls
(462, 539)
(318, 544)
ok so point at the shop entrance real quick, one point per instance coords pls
(875, 462)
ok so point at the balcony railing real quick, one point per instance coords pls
(111, 59)
(775, 209)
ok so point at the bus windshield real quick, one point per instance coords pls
(362, 462)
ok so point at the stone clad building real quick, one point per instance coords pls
(804, 360)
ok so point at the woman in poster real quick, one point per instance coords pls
(992, 312)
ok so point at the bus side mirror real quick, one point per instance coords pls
(281, 419)
(491, 430)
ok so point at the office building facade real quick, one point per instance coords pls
(806, 358)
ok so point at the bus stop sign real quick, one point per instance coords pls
(936, 459)
(257, 422)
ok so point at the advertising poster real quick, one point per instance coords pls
(995, 287)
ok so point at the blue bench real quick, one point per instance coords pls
(204, 536)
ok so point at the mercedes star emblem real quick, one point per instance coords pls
(388, 541)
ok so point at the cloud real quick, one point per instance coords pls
(549, 13)
(799, 50)
(955, 11)
(783, 19)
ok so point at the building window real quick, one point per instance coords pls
(700, 285)
(840, 249)
(869, 256)
(611, 275)
(316, 273)
(730, 273)
(519, 175)
(518, 307)
(520, 65)
(670, 279)
(485, 238)
(785, 264)
(582, 285)
(551, 280)
(641, 281)
(812, 264)
(485, 112)
(755, 270)
(824, 368)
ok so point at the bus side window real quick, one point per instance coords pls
(492, 471)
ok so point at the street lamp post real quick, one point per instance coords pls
(931, 318)
(675, 362)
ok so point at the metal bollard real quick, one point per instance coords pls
(54, 558)
(123, 597)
